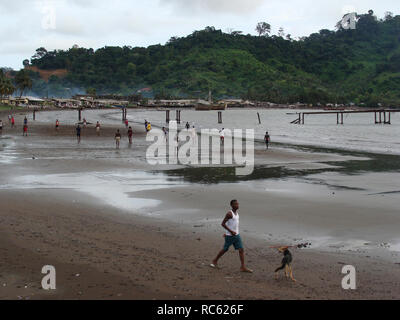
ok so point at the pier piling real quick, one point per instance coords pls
(219, 117)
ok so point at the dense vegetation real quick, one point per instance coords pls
(342, 66)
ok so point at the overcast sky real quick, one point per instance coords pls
(26, 25)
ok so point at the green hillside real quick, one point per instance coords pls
(360, 65)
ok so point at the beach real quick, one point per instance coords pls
(116, 227)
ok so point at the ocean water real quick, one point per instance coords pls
(358, 133)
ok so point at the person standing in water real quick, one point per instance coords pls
(187, 125)
(126, 123)
(232, 236)
(12, 121)
(78, 133)
(57, 124)
(117, 138)
(222, 135)
(98, 128)
(267, 139)
(25, 130)
(130, 134)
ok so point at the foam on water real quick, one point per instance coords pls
(110, 187)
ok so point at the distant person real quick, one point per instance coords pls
(130, 135)
(222, 135)
(12, 121)
(25, 130)
(126, 123)
(78, 133)
(165, 133)
(98, 128)
(117, 138)
(1, 126)
(9, 118)
(232, 236)
(148, 127)
(267, 139)
(25, 121)
(187, 125)
(57, 124)
(84, 122)
(145, 124)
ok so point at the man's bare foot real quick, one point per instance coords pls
(245, 269)
(214, 265)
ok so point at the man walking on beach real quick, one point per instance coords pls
(78, 133)
(232, 236)
(267, 139)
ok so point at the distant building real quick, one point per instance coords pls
(26, 101)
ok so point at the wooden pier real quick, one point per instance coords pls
(380, 115)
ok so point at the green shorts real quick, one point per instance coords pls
(236, 241)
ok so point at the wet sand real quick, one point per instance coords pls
(162, 251)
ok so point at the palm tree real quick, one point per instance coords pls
(23, 81)
(6, 87)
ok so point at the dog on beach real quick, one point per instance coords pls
(286, 263)
(287, 260)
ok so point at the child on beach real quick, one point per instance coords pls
(12, 121)
(117, 138)
(25, 132)
(98, 128)
(78, 133)
(130, 134)
(57, 124)
(222, 135)
(267, 139)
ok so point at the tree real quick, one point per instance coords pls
(91, 91)
(6, 86)
(40, 53)
(25, 63)
(263, 29)
(236, 33)
(388, 15)
(281, 32)
(22, 81)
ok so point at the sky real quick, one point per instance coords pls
(26, 25)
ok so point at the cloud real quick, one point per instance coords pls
(216, 6)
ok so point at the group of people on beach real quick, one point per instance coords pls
(11, 120)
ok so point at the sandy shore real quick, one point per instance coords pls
(100, 253)
(104, 250)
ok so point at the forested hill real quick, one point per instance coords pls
(346, 65)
